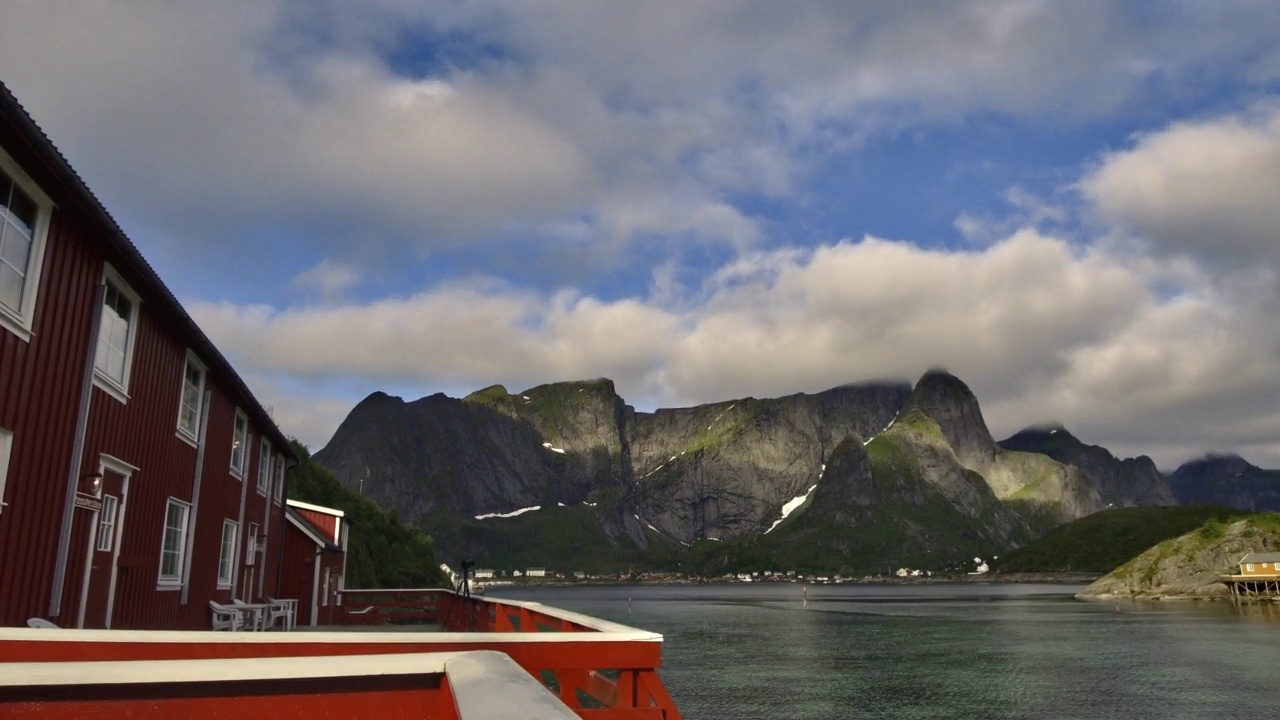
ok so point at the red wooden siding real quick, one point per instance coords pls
(324, 522)
(39, 399)
(41, 385)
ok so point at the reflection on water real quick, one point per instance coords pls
(736, 652)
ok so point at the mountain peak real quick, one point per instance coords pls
(1216, 463)
(1037, 435)
(1134, 481)
(948, 401)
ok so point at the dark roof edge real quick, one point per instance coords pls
(120, 242)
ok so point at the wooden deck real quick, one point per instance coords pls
(1253, 588)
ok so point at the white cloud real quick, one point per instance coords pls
(1206, 189)
(459, 335)
(214, 120)
(223, 127)
(327, 278)
(1040, 329)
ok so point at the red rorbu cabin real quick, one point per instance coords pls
(315, 552)
(139, 477)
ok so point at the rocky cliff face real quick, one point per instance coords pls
(1044, 492)
(725, 470)
(1226, 480)
(914, 469)
(1187, 566)
(901, 499)
(1119, 483)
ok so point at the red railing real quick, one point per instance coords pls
(597, 668)
(592, 678)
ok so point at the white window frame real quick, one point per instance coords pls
(251, 549)
(106, 535)
(174, 580)
(19, 322)
(228, 553)
(264, 467)
(192, 434)
(118, 389)
(6, 452)
(1249, 567)
(279, 489)
(240, 441)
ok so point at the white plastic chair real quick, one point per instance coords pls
(252, 616)
(281, 610)
(226, 617)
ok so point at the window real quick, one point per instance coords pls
(6, 449)
(1249, 567)
(251, 550)
(324, 598)
(240, 445)
(107, 523)
(116, 331)
(227, 553)
(24, 223)
(173, 549)
(264, 468)
(279, 479)
(192, 398)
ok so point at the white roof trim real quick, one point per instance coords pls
(318, 508)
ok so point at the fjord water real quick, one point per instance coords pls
(739, 652)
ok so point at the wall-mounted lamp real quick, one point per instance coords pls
(91, 483)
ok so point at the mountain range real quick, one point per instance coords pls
(858, 478)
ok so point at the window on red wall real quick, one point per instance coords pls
(117, 331)
(174, 542)
(264, 468)
(6, 448)
(240, 445)
(280, 461)
(189, 408)
(251, 549)
(24, 223)
(106, 541)
(227, 553)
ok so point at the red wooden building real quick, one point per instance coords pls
(315, 561)
(139, 477)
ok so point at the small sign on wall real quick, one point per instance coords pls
(88, 502)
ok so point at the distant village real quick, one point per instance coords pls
(489, 577)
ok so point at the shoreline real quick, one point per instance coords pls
(988, 579)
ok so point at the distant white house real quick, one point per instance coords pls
(980, 568)
(482, 573)
(536, 572)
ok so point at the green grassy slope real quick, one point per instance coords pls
(1103, 541)
(563, 539)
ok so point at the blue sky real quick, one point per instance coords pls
(1070, 205)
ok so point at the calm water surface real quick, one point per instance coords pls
(737, 652)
